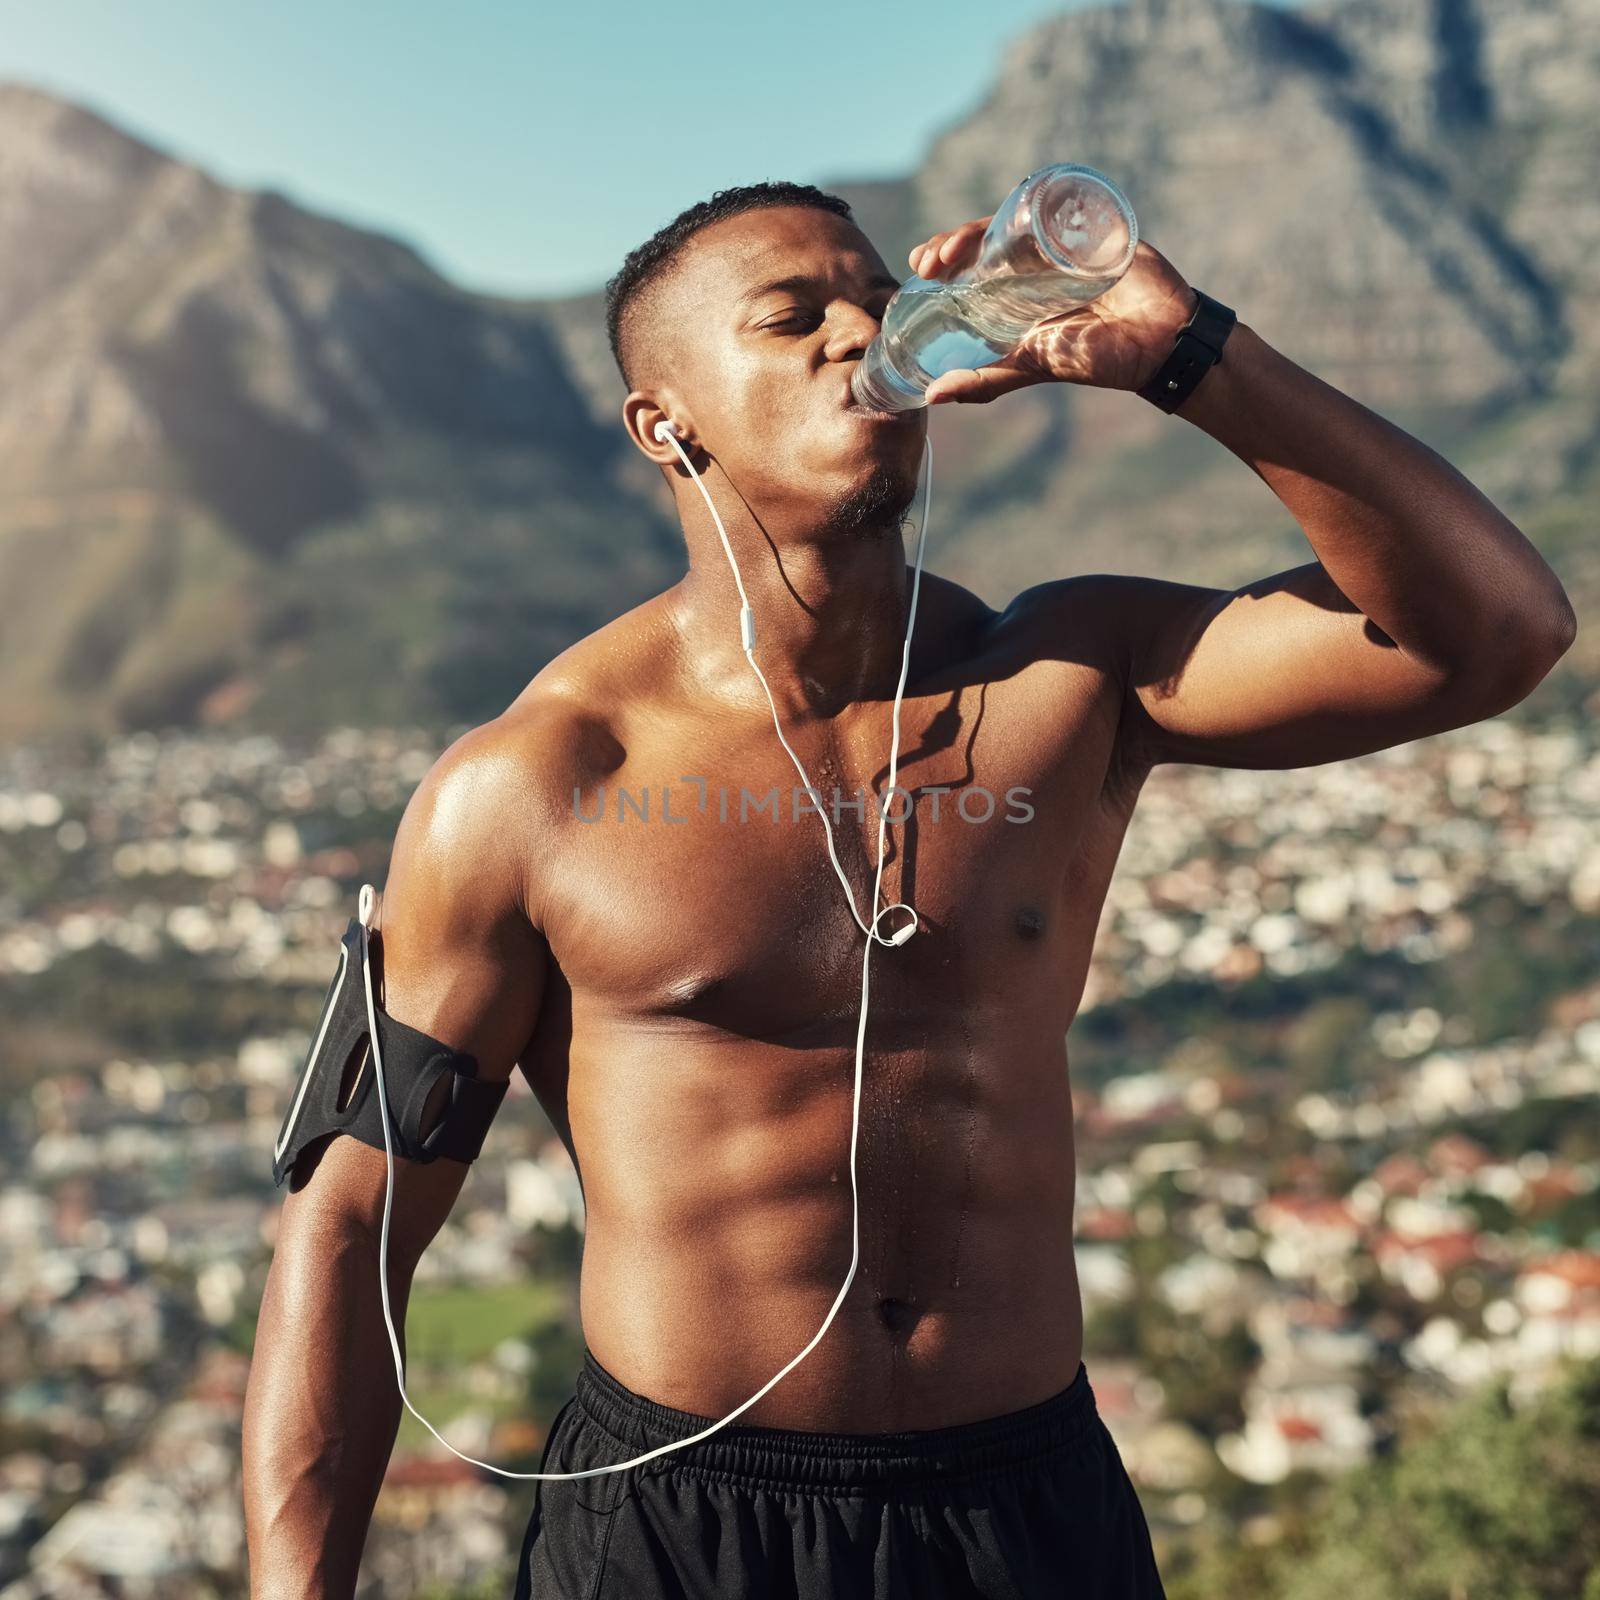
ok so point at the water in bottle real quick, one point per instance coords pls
(1062, 237)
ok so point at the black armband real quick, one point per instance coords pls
(414, 1066)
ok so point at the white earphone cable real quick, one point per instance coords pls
(747, 637)
(364, 912)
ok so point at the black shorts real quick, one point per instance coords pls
(1028, 1504)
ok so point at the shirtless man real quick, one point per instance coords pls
(683, 995)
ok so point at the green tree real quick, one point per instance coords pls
(1490, 1502)
(1494, 1503)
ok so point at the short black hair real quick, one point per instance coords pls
(651, 262)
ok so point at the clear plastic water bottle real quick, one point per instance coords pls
(1062, 237)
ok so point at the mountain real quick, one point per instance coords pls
(1395, 193)
(260, 466)
(252, 456)
(1257, 153)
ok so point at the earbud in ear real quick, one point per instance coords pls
(666, 429)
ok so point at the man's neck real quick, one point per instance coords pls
(830, 617)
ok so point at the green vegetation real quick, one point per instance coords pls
(102, 1002)
(452, 1330)
(494, 1586)
(1203, 1371)
(1485, 1502)
(456, 1325)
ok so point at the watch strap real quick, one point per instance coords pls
(1197, 350)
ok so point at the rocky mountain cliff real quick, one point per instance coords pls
(247, 448)
(259, 465)
(1259, 157)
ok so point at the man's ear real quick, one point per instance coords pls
(641, 413)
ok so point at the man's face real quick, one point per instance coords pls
(776, 307)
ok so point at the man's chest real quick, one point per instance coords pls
(694, 877)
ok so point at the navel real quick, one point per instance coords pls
(898, 1316)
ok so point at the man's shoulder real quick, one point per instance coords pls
(1092, 615)
(519, 764)
(563, 728)
(482, 823)
(480, 830)
(1082, 594)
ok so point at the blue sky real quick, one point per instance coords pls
(523, 148)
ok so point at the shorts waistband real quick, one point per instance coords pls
(800, 1458)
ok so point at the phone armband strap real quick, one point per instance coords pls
(425, 1082)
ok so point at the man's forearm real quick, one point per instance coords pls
(320, 1419)
(1403, 535)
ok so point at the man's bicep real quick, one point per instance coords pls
(453, 957)
(1283, 672)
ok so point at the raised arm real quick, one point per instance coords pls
(1427, 609)
(462, 962)
(1424, 610)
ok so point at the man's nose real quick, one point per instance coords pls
(850, 330)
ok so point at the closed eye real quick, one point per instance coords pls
(802, 319)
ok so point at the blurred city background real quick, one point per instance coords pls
(286, 504)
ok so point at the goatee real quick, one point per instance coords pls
(878, 507)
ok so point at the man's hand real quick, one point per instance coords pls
(1115, 342)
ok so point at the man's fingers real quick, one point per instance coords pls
(962, 383)
(965, 385)
(953, 248)
(926, 255)
(960, 243)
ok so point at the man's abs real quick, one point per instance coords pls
(718, 1234)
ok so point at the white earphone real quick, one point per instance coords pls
(666, 430)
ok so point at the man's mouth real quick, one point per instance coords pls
(856, 409)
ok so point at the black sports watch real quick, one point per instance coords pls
(1198, 349)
